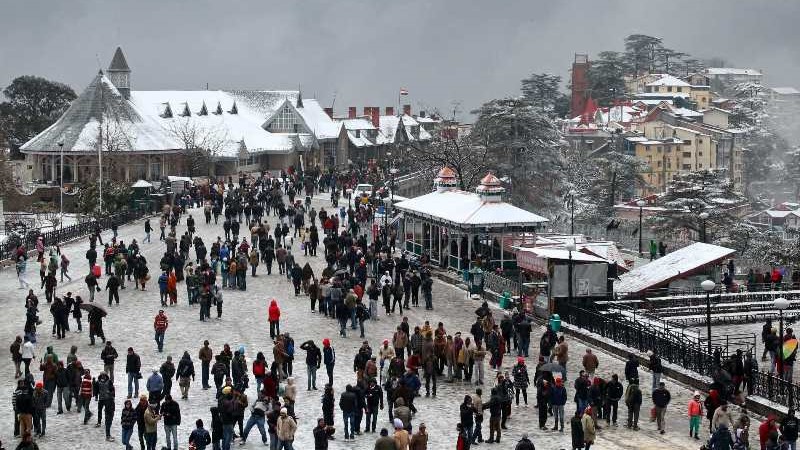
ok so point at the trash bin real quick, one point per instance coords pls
(555, 322)
(505, 300)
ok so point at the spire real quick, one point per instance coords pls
(299, 99)
(120, 74)
(118, 62)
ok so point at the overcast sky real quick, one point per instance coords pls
(442, 51)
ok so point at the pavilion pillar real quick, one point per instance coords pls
(469, 251)
(53, 168)
(439, 237)
(502, 265)
(127, 167)
(147, 161)
(458, 252)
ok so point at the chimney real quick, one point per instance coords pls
(376, 117)
(422, 113)
(390, 110)
(329, 112)
(407, 110)
(351, 112)
(367, 111)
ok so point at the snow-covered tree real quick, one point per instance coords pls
(200, 143)
(606, 77)
(542, 91)
(690, 194)
(468, 158)
(525, 145)
(641, 53)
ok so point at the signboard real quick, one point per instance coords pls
(589, 280)
(529, 261)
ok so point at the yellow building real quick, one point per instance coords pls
(663, 158)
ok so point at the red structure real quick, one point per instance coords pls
(580, 84)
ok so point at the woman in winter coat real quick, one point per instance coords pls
(521, 380)
(576, 426)
(259, 370)
(328, 405)
(127, 420)
(588, 427)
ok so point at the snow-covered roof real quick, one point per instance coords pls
(358, 124)
(141, 184)
(468, 210)
(560, 254)
(669, 80)
(661, 94)
(785, 91)
(777, 214)
(680, 263)
(152, 120)
(732, 71)
(686, 112)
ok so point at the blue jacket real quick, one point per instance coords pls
(155, 383)
(328, 355)
(558, 395)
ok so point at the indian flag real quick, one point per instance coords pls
(403, 91)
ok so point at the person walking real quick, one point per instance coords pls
(133, 368)
(64, 266)
(151, 419)
(285, 430)
(589, 432)
(348, 402)
(127, 421)
(185, 374)
(521, 380)
(104, 394)
(614, 392)
(633, 400)
(160, 324)
(171, 415)
(200, 438)
(661, 398)
(558, 398)
(576, 428)
(656, 368)
(147, 229)
(258, 412)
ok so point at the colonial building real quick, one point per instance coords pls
(146, 134)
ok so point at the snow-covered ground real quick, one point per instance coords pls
(244, 323)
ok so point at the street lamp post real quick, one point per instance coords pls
(640, 204)
(708, 286)
(572, 193)
(61, 190)
(703, 216)
(780, 304)
(570, 247)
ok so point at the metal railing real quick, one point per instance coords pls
(775, 389)
(498, 284)
(61, 235)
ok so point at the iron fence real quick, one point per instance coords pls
(774, 388)
(65, 234)
(686, 353)
(499, 284)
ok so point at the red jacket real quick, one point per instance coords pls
(86, 387)
(259, 368)
(161, 323)
(764, 429)
(274, 311)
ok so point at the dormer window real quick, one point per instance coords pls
(218, 111)
(203, 110)
(186, 112)
(166, 111)
(358, 133)
(234, 109)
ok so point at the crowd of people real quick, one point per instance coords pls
(363, 280)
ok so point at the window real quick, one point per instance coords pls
(658, 149)
(699, 153)
(658, 164)
(699, 140)
(680, 89)
(687, 154)
(687, 167)
(155, 170)
(669, 88)
(358, 133)
(700, 166)
(286, 121)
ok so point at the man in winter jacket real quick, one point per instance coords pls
(313, 362)
(495, 407)
(171, 415)
(274, 319)
(167, 371)
(285, 429)
(558, 398)
(184, 373)
(206, 355)
(155, 386)
(104, 394)
(160, 324)
(524, 443)
(614, 393)
(661, 398)
(632, 369)
(133, 367)
(109, 355)
(789, 428)
(633, 400)
(348, 402)
(199, 437)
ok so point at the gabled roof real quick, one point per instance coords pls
(678, 264)
(785, 91)
(669, 80)
(732, 71)
(118, 62)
